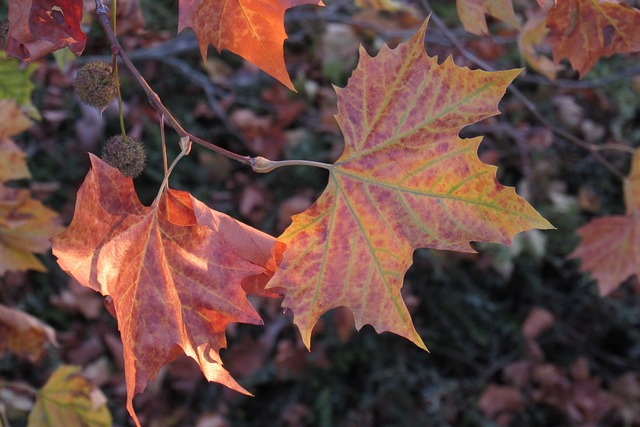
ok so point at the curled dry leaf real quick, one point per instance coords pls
(38, 27)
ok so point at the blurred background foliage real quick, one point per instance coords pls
(471, 310)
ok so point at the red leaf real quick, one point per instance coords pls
(585, 30)
(38, 27)
(405, 180)
(253, 29)
(610, 246)
(175, 284)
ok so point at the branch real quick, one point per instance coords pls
(528, 104)
(154, 99)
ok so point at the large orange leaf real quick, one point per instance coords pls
(472, 14)
(253, 29)
(585, 30)
(610, 246)
(405, 180)
(175, 283)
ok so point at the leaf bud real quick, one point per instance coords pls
(261, 165)
(95, 84)
(129, 155)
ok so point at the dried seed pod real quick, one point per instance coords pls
(128, 156)
(95, 84)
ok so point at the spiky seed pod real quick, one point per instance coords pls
(129, 157)
(95, 84)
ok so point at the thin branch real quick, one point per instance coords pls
(528, 104)
(154, 99)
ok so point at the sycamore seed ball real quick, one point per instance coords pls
(129, 157)
(95, 85)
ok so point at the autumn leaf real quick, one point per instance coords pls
(12, 158)
(530, 40)
(175, 283)
(405, 180)
(23, 334)
(253, 29)
(472, 14)
(585, 30)
(69, 399)
(16, 84)
(38, 27)
(610, 246)
(25, 223)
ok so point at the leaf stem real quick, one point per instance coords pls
(262, 165)
(153, 98)
(185, 144)
(258, 164)
(114, 55)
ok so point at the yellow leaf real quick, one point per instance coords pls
(68, 399)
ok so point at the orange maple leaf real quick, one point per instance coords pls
(472, 14)
(174, 281)
(253, 29)
(610, 246)
(405, 180)
(585, 30)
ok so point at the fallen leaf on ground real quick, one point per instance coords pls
(610, 245)
(23, 334)
(69, 399)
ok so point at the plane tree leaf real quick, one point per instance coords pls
(253, 29)
(472, 14)
(175, 284)
(39, 27)
(405, 180)
(610, 246)
(69, 399)
(585, 30)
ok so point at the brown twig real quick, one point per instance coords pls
(154, 99)
(528, 104)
